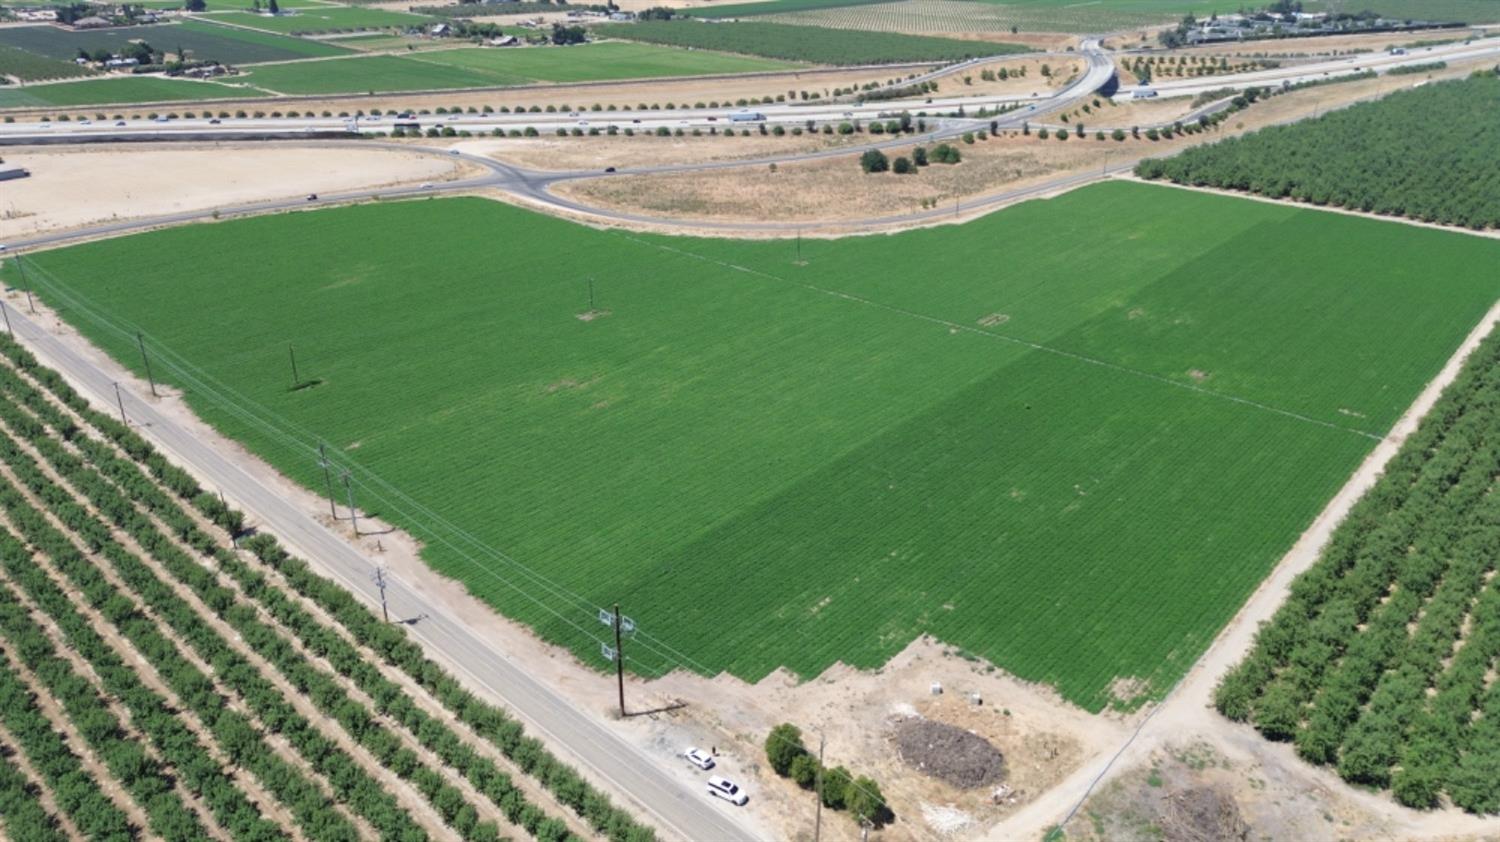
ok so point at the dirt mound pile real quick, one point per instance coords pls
(1202, 814)
(949, 753)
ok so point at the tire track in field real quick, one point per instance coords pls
(1015, 340)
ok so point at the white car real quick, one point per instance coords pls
(700, 758)
(727, 790)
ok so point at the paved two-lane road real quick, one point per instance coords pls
(688, 813)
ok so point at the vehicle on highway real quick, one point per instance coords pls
(452, 151)
(215, 121)
(609, 169)
(637, 120)
(119, 123)
(713, 119)
(698, 757)
(426, 185)
(162, 119)
(747, 117)
(85, 122)
(1142, 93)
(728, 790)
(312, 197)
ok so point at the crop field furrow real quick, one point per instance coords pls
(952, 457)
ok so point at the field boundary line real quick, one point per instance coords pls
(1027, 343)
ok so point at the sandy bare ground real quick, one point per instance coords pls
(581, 153)
(836, 189)
(78, 186)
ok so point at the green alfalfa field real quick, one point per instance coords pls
(1070, 437)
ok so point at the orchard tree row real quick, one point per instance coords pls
(1378, 664)
(170, 517)
(1427, 154)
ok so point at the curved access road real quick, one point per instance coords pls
(534, 186)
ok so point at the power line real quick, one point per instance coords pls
(351, 473)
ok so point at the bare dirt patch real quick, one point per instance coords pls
(74, 187)
(949, 753)
(643, 150)
(834, 188)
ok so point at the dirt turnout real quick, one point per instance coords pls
(71, 187)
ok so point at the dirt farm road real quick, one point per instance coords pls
(578, 737)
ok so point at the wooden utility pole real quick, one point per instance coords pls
(296, 381)
(380, 582)
(353, 516)
(327, 480)
(619, 661)
(141, 341)
(26, 285)
(818, 791)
